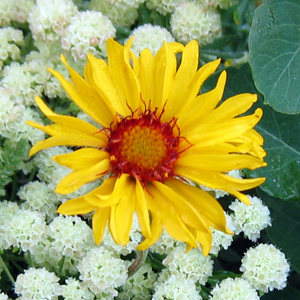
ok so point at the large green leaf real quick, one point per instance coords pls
(281, 133)
(274, 53)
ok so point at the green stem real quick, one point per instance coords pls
(140, 259)
(4, 267)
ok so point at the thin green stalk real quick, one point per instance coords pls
(140, 259)
(4, 267)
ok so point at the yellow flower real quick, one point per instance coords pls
(158, 134)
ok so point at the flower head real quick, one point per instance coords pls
(157, 131)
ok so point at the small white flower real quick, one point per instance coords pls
(176, 287)
(165, 244)
(37, 284)
(193, 264)
(193, 21)
(47, 19)
(76, 290)
(250, 219)
(123, 14)
(102, 271)
(164, 6)
(234, 289)
(139, 285)
(87, 33)
(265, 268)
(222, 239)
(151, 37)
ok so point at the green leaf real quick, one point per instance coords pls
(281, 133)
(288, 293)
(274, 53)
(284, 232)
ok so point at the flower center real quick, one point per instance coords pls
(144, 147)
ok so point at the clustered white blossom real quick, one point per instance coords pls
(66, 241)
(250, 219)
(151, 37)
(193, 21)
(10, 40)
(234, 289)
(193, 264)
(14, 10)
(74, 289)
(3, 296)
(222, 239)
(20, 228)
(176, 287)
(103, 271)
(39, 196)
(265, 268)
(87, 33)
(139, 285)
(123, 14)
(164, 6)
(37, 284)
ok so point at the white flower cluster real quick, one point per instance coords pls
(193, 21)
(176, 287)
(150, 36)
(250, 219)
(234, 289)
(20, 227)
(139, 285)
(102, 271)
(47, 19)
(165, 244)
(10, 40)
(87, 33)
(14, 10)
(3, 296)
(66, 241)
(37, 284)
(164, 6)
(222, 239)
(123, 14)
(40, 197)
(265, 268)
(74, 289)
(193, 264)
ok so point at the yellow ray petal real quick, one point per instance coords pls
(122, 75)
(203, 202)
(190, 215)
(81, 158)
(142, 210)
(165, 63)
(216, 180)
(101, 196)
(97, 74)
(78, 140)
(67, 122)
(156, 231)
(85, 96)
(169, 215)
(202, 106)
(230, 108)
(147, 77)
(212, 134)
(100, 218)
(124, 211)
(205, 240)
(181, 84)
(78, 178)
(75, 206)
(219, 162)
